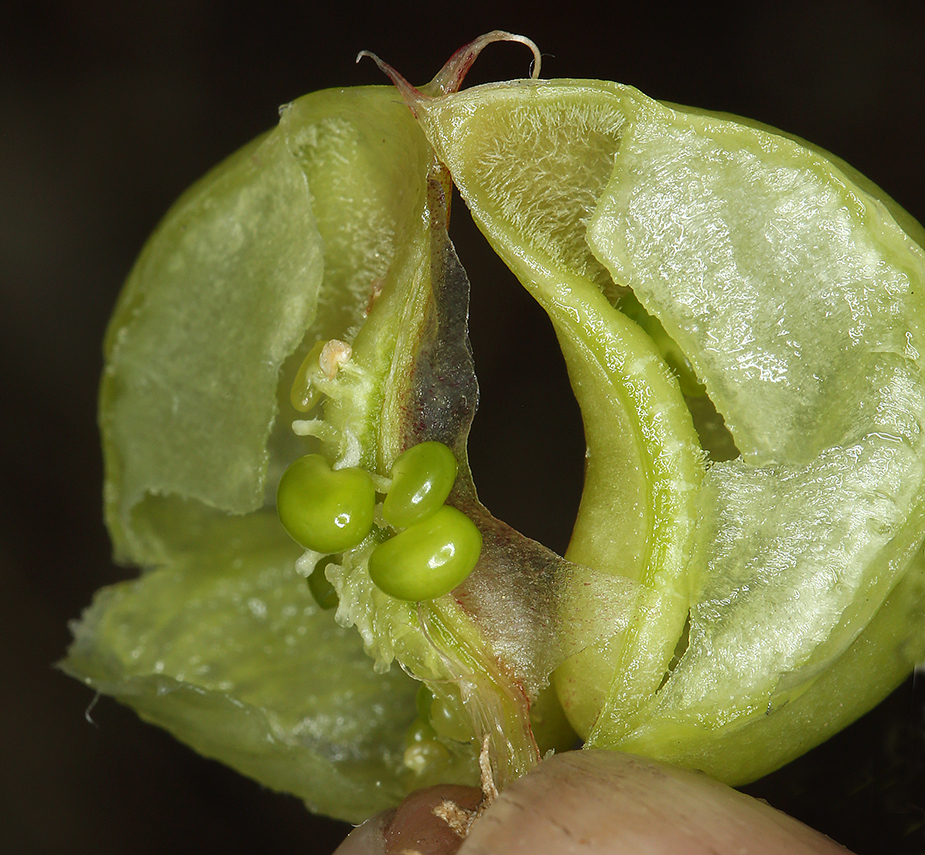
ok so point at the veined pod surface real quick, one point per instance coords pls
(736, 240)
(745, 574)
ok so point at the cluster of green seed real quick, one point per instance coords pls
(330, 511)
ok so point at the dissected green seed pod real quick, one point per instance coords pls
(422, 478)
(725, 616)
(427, 559)
(325, 510)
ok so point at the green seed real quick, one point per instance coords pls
(429, 558)
(328, 511)
(321, 589)
(303, 395)
(422, 478)
(424, 752)
(449, 720)
(423, 699)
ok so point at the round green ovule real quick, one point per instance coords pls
(444, 716)
(321, 589)
(328, 511)
(429, 558)
(449, 721)
(423, 699)
(422, 478)
(423, 751)
(303, 395)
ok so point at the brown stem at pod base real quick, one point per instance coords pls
(450, 78)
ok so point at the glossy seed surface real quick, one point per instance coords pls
(429, 558)
(422, 478)
(328, 511)
(321, 589)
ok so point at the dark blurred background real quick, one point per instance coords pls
(108, 110)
